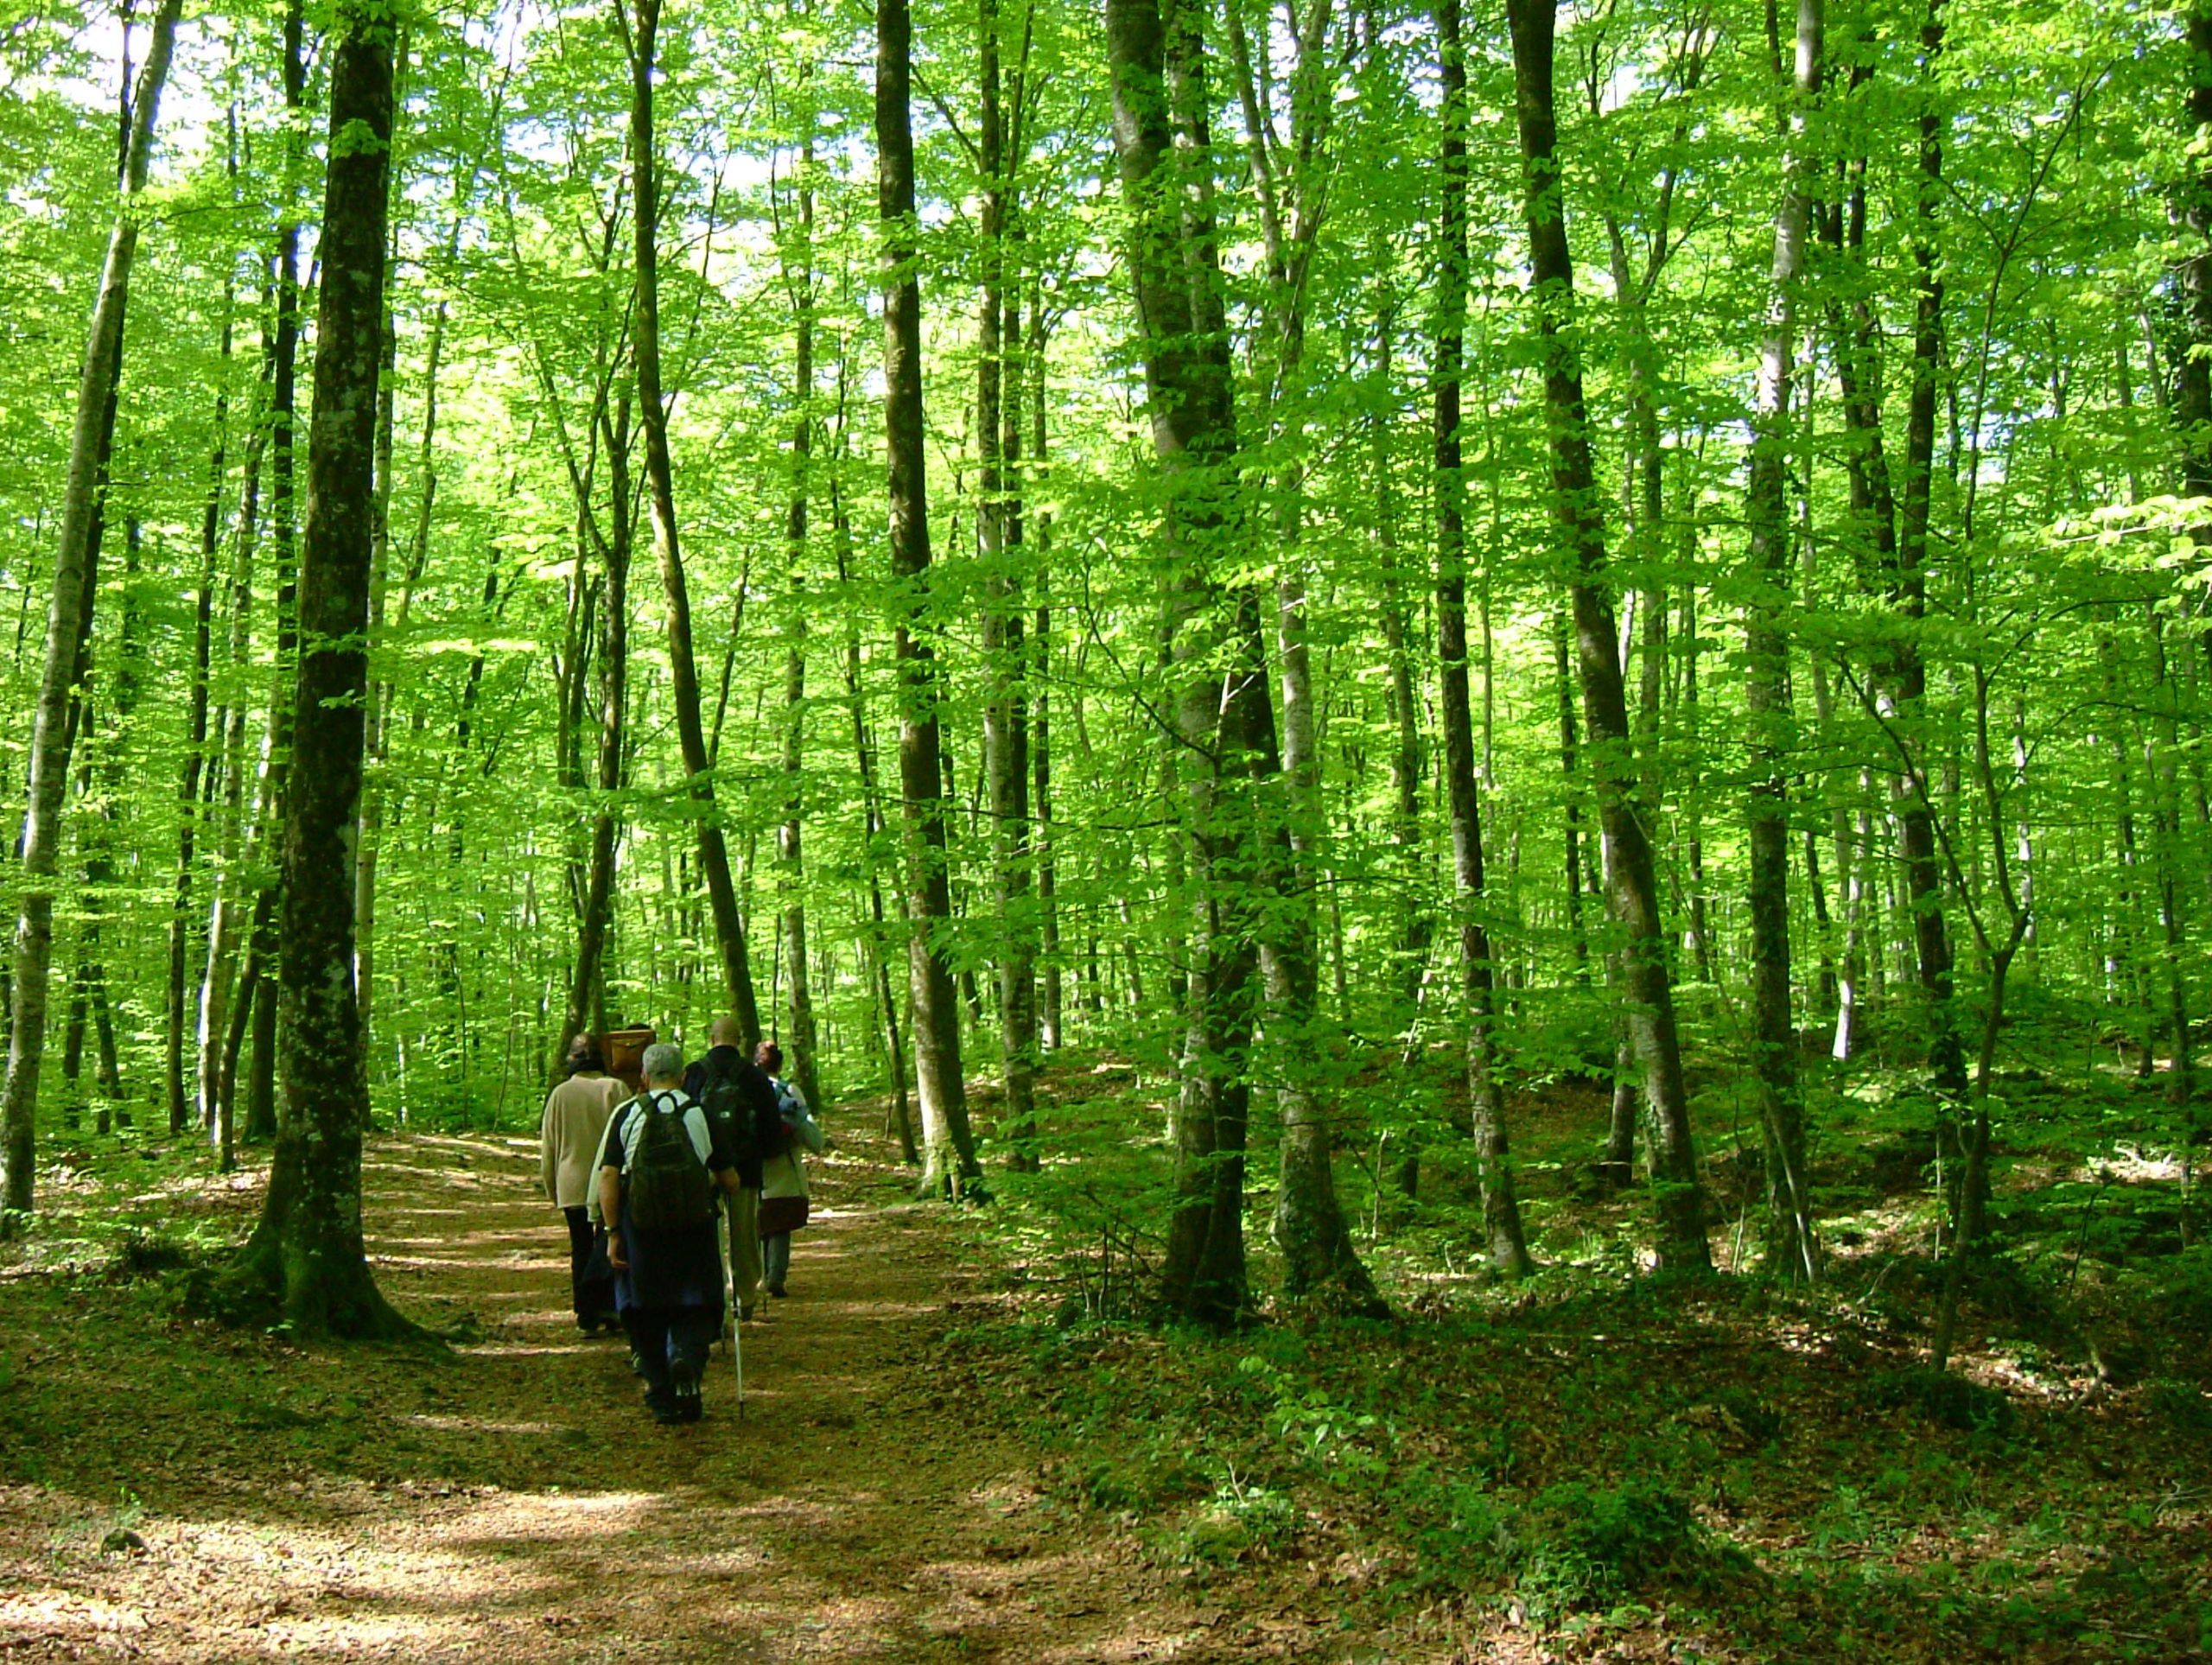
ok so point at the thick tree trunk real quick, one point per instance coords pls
(949, 1148)
(1633, 888)
(307, 1256)
(1164, 149)
(1504, 1240)
(65, 618)
(660, 488)
(1791, 1246)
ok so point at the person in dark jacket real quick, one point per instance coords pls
(668, 1277)
(725, 1060)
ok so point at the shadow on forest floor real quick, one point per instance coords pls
(959, 1443)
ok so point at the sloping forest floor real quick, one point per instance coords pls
(958, 1445)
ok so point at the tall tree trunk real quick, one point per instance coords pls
(1040, 720)
(798, 277)
(1898, 532)
(262, 945)
(1000, 552)
(66, 619)
(1632, 885)
(1791, 1246)
(306, 1257)
(1162, 143)
(196, 741)
(660, 487)
(1309, 1229)
(879, 964)
(595, 917)
(1504, 1240)
(949, 1152)
(373, 795)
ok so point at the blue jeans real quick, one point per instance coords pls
(672, 1346)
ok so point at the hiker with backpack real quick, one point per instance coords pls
(740, 1106)
(663, 1169)
(569, 1137)
(783, 1193)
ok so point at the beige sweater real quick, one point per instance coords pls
(575, 1118)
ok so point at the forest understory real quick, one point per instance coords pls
(960, 1443)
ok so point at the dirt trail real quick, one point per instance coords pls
(517, 1504)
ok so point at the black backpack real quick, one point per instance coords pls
(730, 1115)
(669, 1186)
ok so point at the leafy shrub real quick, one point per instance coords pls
(1238, 1521)
(1600, 1546)
(1761, 1423)
(1323, 1433)
(1141, 1485)
(2182, 1404)
(2185, 1293)
(148, 1254)
(1459, 1534)
(1950, 1401)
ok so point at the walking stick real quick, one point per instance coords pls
(736, 1329)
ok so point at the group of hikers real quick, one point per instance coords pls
(655, 1183)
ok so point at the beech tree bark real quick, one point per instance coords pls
(595, 916)
(1504, 1240)
(306, 1258)
(660, 487)
(1221, 727)
(798, 277)
(1790, 1246)
(948, 1148)
(1632, 884)
(1001, 552)
(66, 615)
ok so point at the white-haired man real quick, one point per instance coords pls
(659, 1178)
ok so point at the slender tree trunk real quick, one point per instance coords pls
(660, 486)
(373, 789)
(1790, 1245)
(595, 919)
(949, 1148)
(66, 619)
(1898, 532)
(1504, 1240)
(798, 277)
(1041, 722)
(1309, 1229)
(196, 741)
(1001, 553)
(307, 1256)
(1633, 888)
(230, 875)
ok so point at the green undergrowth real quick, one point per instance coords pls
(1707, 1461)
(1622, 1465)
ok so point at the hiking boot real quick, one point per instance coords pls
(777, 1290)
(690, 1407)
(665, 1405)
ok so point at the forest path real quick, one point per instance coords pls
(515, 1503)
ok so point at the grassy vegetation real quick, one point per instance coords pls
(1604, 1463)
